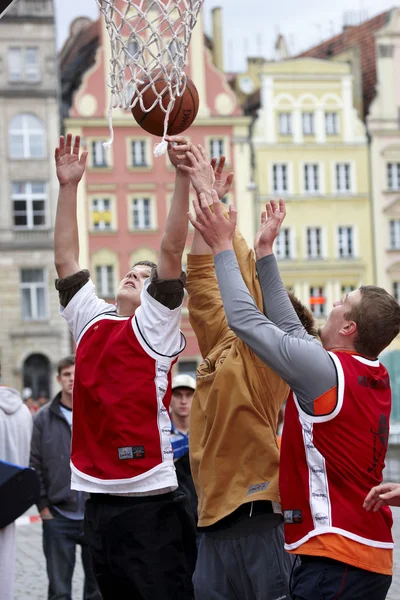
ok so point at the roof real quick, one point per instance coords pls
(361, 36)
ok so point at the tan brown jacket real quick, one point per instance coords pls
(234, 453)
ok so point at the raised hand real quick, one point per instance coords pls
(386, 494)
(271, 221)
(177, 148)
(199, 169)
(221, 185)
(216, 230)
(69, 167)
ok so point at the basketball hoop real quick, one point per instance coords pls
(149, 41)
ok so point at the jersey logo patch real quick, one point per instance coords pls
(130, 452)
(293, 517)
(257, 487)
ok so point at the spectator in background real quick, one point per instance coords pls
(61, 508)
(183, 387)
(29, 400)
(42, 399)
(15, 438)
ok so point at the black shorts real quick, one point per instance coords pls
(142, 548)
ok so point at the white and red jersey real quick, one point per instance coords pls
(330, 462)
(122, 390)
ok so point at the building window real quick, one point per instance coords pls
(343, 177)
(280, 178)
(308, 123)
(395, 234)
(283, 247)
(317, 301)
(285, 123)
(345, 242)
(217, 148)
(187, 367)
(101, 214)
(311, 178)
(99, 154)
(105, 280)
(314, 242)
(139, 158)
(23, 65)
(385, 50)
(29, 204)
(346, 289)
(33, 292)
(26, 137)
(141, 213)
(331, 123)
(396, 290)
(393, 176)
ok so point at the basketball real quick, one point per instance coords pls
(182, 115)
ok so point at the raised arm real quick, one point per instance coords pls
(70, 168)
(277, 305)
(176, 227)
(288, 356)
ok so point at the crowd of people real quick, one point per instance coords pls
(181, 488)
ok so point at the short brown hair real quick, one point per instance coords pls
(305, 315)
(377, 316)
(145, 263)
(64, 363)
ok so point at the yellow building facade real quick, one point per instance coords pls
(311, 149)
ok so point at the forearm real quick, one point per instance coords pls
(66, 239)
(288, 356)
(199, 247)
(276, 300)
(175, 233)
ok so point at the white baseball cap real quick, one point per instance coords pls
(183, 381)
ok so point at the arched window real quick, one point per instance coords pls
(37, 374)
(26, 137)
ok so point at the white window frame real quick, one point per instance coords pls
(285, 122)
(313, 244)
(33, 288)
(28, 72)
(142, 204)
(283, 247)
(318, 310)
(346, 241)
(393, 176)
(341, 177)
(332, 123)
(100, 208)
(312, 178)
(278, 177)
(26, 133)
(139, 154)
(308, 123)
(29, 197)
(394, 227)
(105, 280)
(99, 155)
(217, 147)
(346, 289)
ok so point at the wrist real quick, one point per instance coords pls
(69, 185)
(263, 251)
(221, 247)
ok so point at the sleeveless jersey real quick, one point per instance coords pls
(329, 463)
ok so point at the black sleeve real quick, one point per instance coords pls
(36, 459)
(69, 286)
(169, 292)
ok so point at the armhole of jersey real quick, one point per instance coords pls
(149, 350)
(339, 396)
(110, 315)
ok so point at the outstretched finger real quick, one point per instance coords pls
(282, 206)
(205, 205)
(62, 145)
(203, 152)
(229, 179)
(176, 139)
(200, 210)
(191, 157)
(68, 144)
(213, 163)
(268, 210)
(57, 155)
(196, 153)
(195, 223)
(263, 217)
(221, 165)
(274, 206)
(77, 144)
(232, 214)
(216, 203)
(83, 158)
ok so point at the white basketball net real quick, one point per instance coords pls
(149, 42)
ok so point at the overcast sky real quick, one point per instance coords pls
(250, 27)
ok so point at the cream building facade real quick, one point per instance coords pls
(33, 337)
(311, 149)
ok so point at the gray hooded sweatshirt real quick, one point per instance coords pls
(16, 426)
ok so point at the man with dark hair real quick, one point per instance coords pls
(139, 527)
(61, 508)
(337, 416)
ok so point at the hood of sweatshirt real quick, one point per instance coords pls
(10, 400)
